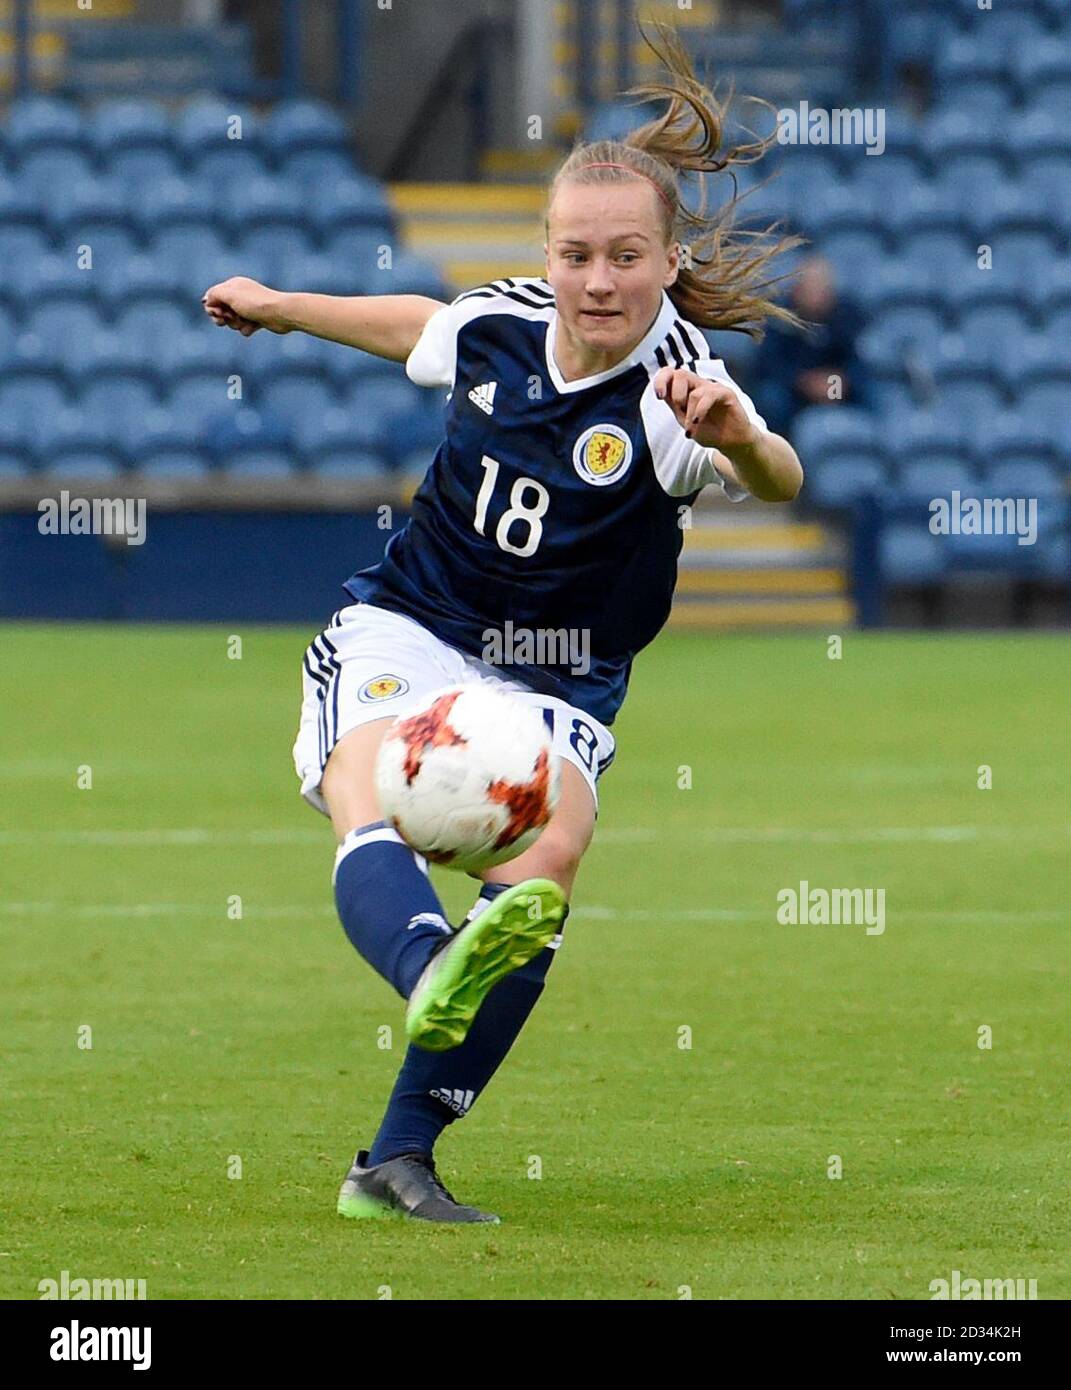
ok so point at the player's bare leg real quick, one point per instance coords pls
(557, 853)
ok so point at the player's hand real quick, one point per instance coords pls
(245, 305)
(709, 412)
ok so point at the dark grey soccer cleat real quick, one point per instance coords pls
(403, 1186)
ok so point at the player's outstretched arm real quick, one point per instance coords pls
(385, 324)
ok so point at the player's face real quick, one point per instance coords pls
(608, 264)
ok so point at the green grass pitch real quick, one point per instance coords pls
(661, 1168)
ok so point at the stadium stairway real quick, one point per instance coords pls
(743, 568)
(473, 232)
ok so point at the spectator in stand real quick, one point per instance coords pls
(813, 366)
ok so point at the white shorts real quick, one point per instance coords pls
(370, 663)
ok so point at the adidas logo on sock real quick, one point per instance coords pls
(457, 1100)
(429, 919)
(484, 397)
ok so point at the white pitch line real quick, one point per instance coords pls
(591, 911)
(608, 835)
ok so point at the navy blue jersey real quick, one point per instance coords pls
(551, 505)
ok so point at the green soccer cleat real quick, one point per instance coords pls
(457, 979)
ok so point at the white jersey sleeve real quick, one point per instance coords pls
(433, 361)
(681, 465)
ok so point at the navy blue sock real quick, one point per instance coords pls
(435, 1088)
(389, 909)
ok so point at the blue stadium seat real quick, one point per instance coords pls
(939, 258)
(77, 444)
(985, 95)
(162, 444)
(178, 206)
(30, 392)
(1044, 59)
(887, 179)
(319, 275)
(929, 436)
(1036, 135)
(921, 480)
(348, 203)
(410, 274)
(185, 463)
(292, 393)
(64, 320)
(304, 125)
(39, 172)
(853, 253)
(358, 248)
(995, 330)
(970, 394)
(36, 120)
(253, 459)
(841, 482)
(968, 56)
(134, 142)
(94, 214)
(200, 393)
(242, 429)
(1045, 403)
(910, 555)
(828, 431)
(902, 331)
(1024, 477)
(342, 463)
(216, 154)
(24, 233)
(311, 168)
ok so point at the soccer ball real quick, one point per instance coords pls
(469, 779)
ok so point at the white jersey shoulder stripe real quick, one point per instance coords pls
(433, 360)
(681, 465)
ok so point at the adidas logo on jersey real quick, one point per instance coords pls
(484, 397)
(457, 1100)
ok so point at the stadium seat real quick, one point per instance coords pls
(985, 95)
(358, 248)
(303, 125)
(930, 436)
(1024, 477)
(828, 431)
(95, 215)
(1036, 135)
(410, 274)
(293, 392)
(256, 460)
(841, 482)
(343, 463)
(1039, 62)
(853, 253)
(221, 146)
(910, 555)
(903, 330)
(30, 393)
(242, 427)
(47, 142)
(348, 203)
(922, 480)
(134, 142)
(967, 57)
(320, 275)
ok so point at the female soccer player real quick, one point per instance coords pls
(586, 412)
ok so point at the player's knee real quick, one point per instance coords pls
(557, 854)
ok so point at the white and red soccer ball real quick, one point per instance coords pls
(469, 779)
